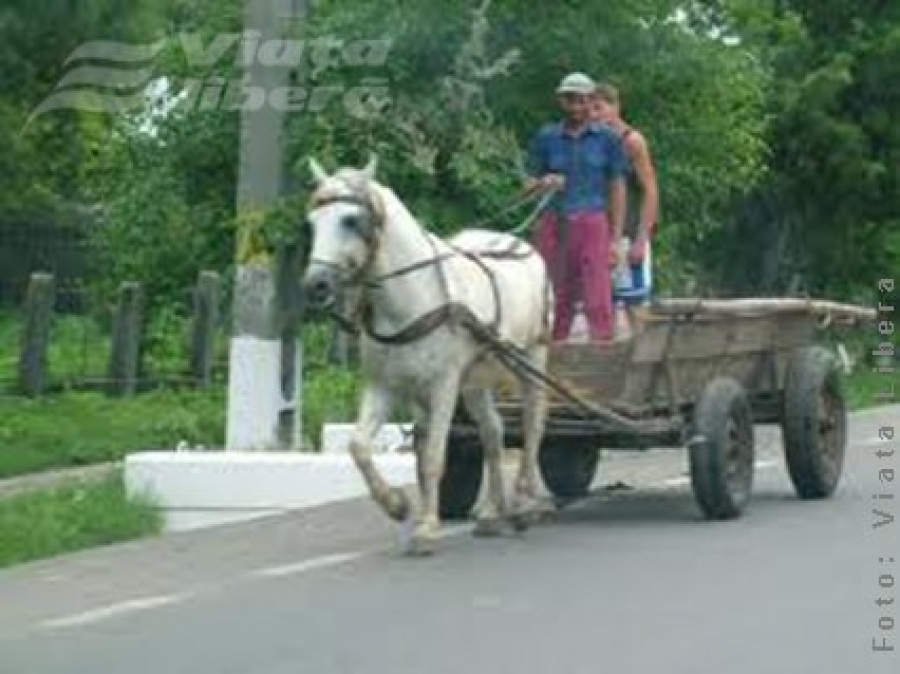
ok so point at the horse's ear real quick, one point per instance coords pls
(371, 167)
(319, 174)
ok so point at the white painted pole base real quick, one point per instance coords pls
(254, 394)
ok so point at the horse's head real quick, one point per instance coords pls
(346, 217)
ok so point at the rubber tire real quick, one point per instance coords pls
(723, 404)
(461, 482)
(812, 374)
(568, 466)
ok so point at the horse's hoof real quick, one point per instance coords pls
(521, 522)
(545, 511)
(488, 527)
(422, 546)
(422, 539)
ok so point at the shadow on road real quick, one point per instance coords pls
(653, 507)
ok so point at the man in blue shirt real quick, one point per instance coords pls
(584, 162)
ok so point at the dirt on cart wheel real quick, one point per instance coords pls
(814, 423)
(721, 450)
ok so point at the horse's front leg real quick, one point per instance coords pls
(374, 411)
(431, 458)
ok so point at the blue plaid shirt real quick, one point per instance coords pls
(588, 161)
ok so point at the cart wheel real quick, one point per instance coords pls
(568, 466)
(721, 450)
(461, 483)
(814, 423)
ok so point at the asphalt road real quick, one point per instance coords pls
(628, 582)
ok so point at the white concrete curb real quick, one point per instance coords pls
(199, 489)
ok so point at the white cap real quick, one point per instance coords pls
(576, 83)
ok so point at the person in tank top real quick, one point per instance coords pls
(642, 210)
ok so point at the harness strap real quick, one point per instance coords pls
(422, 264)
(495, 291)
(419, 328)
(452, 312)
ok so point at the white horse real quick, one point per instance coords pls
(415, 291)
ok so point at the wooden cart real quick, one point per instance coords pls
(698, 377)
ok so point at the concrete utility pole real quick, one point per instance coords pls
(263, 381)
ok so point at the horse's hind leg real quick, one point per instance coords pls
(480, 405)
(534, 410)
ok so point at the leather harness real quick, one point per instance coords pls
(453, 313)
(511, 355)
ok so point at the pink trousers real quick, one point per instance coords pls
(578, 261)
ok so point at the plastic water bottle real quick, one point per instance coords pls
(622, 274)
(580, 331)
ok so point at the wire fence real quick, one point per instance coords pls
(64, 325)
(31, 242)
(68, 337)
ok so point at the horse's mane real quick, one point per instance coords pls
(395, 209)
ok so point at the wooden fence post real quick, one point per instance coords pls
(33, 370)
(125, 354)
(207, 299)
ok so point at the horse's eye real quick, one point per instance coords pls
(350, 222)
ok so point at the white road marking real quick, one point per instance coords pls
(114, 610)
(148, 603)
(337, 559)
(53, 577)
(306, 565)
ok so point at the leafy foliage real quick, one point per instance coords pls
(771, 128)
(827, 214)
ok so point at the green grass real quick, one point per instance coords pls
(79, 428)
(82, 428)
(864, 388)
(47, 523)
(73, 429)
(329, 395)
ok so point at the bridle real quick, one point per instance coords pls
(452, 312)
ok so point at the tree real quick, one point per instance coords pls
(828, 212)
(471, 88)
